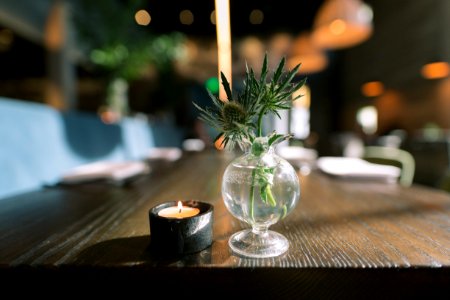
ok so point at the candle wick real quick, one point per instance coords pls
(179, 210)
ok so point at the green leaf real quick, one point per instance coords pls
(226, 86)
(297, 86)
(296, 68)
(253, 80)
(281, 137)
(264, 71)
(277, 114)
(284, 208)
(297, 97)
(217, 103)
(288, 79)
(279, 71)
(258, 148)
(274, 137)
(300, 83)
(263, 193)
(270, 198)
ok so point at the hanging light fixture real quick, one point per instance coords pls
(436, 70)
(372, 89)
(305, 52)
(342, 23)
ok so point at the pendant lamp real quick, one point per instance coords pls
(303, 51)
(342, 23)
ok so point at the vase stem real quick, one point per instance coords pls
(260, 230)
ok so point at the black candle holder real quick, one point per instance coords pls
(171, 236)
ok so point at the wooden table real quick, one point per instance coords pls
(347, 238)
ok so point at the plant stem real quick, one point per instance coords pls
(252, 195)
(252, 188)
(260, 115)
(270, 197)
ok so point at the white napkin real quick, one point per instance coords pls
(297, 154)
(193, 145)
(169, 153)
(357, 168)
(113, 171)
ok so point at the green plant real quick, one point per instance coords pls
(239, 117)
(112, 45)
(109, 38)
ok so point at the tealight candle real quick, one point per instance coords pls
(178, 211)
(181, 228)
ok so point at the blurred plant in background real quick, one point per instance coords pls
(111, 40)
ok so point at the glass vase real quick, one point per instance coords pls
(260, 188)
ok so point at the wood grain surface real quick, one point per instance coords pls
(346, 237)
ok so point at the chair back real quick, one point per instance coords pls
(393, 156)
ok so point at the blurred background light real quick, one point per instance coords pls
(186, 17)
(367, 118)
(436, 70)
(6, 39)
(342, 23)
(212, 84)
(142, 17)
(256, 17)
(305, 52)
(212, 17)
(372, 89)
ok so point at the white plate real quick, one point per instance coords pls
(170, 154)
(297, 155)
(114, 171)
(356, 168)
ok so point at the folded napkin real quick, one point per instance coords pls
(357, 168)
(297, 154)
(111, 171)
(169, 153)
(193, 145)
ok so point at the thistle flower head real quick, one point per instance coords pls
(239, 119)
(233, 114)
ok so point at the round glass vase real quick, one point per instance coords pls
(260, 188)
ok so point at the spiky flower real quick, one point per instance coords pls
(239, 119)
(230, 118)
(233, 114)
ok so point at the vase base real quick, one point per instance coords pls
(249, 244)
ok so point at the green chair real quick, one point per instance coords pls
(395, 157)
(444, 182)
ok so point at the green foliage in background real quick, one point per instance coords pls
(109, 37)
